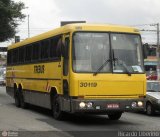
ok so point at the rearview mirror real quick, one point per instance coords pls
(145, 50)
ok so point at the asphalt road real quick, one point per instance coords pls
(38, 122)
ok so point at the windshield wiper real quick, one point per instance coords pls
(123, 64)
(101, 67)
(108, 60)
(127, 70)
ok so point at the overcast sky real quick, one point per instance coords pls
(47, 14)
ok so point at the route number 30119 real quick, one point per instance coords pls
(88, 84)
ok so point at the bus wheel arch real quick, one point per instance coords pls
(19, 87)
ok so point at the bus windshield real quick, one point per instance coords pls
(92, 49)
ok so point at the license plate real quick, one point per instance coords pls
(112, 105)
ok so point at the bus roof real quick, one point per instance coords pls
(76, 27)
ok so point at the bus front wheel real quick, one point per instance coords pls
(56, 108)
(115, 116)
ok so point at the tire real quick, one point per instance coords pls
(56, 108)
(115, 116)
(17, 98)
(23, 104)
(149, 109)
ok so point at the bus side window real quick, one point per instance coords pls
(59, 48)
(28, 53)
(21, 55)
(55, 52)
(9, 57)
(45, 49)
(66, 56)
(36, 50)
(15, 56)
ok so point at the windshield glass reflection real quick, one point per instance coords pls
(126, 49)
(92, 49)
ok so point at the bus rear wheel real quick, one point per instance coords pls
(23, 104)
(56, 108)
(115, 116)
(17, 98)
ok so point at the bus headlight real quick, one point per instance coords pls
(89, 105)
(134, 104)
(140, 103)
(82, 104)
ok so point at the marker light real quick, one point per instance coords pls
(89, 105)
(134, 104)
(82, 105)
(140, 103)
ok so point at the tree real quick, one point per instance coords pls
(10, 17)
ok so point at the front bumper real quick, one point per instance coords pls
(106, 106)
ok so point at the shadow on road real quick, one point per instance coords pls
(73, 122)
(79, 122)
(157, 114)
(83, 119)
(90, 125)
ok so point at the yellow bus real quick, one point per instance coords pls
(79, 68)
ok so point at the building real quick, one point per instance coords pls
(151, 62)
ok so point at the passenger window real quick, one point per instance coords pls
(45, 49)
(15, 56)
(21, 54)
(28, 54)
(54, 49)
(36, 51)
(9, 57)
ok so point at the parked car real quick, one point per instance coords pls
(2, 76)
(152, 97)
(3, 80)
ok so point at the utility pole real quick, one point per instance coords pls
(158, 54)
(158, 51)
(28, 27)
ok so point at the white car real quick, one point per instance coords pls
(153, 97)
(2, 81)
(2, 76)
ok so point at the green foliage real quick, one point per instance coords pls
(10, 17)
